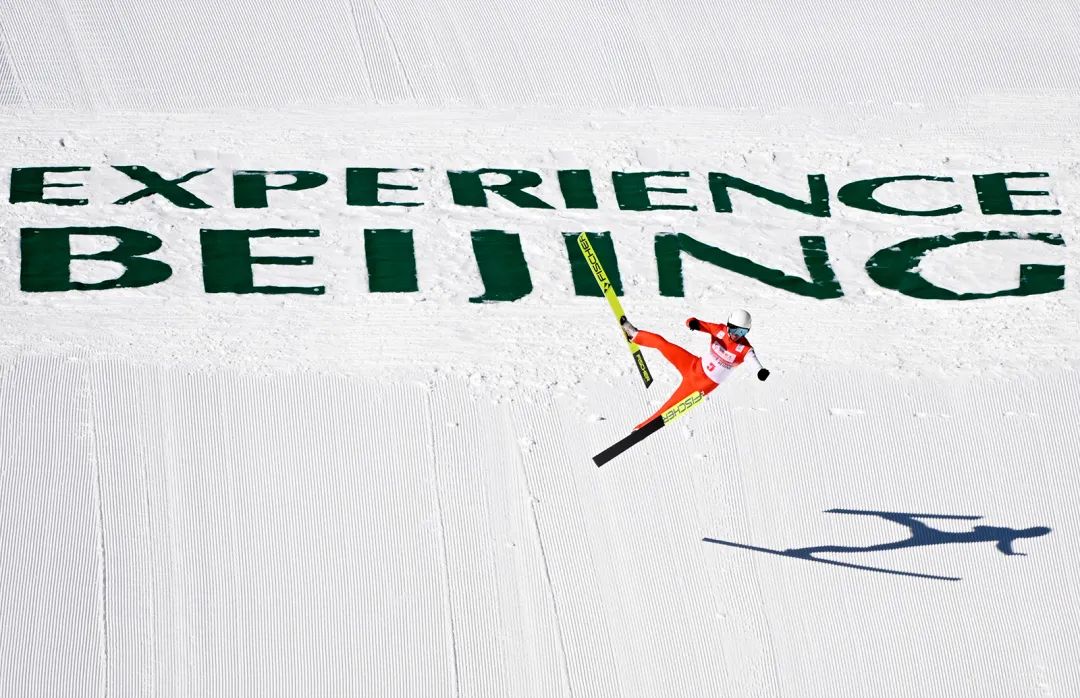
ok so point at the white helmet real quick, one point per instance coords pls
(739, 318)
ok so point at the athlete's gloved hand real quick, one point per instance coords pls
(763, 374)
(693, 323)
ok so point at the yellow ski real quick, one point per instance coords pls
(682, 406)
(616, 307)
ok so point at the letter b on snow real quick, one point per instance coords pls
(47, 256)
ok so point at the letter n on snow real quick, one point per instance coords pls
(822, 282)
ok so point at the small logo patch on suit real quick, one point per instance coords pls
(724, 356)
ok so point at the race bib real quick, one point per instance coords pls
(723, 355)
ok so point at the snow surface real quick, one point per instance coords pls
(199, 55)
(365, 493)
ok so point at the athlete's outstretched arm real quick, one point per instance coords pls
(763, 372)
(702, 326)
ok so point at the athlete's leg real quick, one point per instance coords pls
(918, 528)
(692, 382)
(679, 357)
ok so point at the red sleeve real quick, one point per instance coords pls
(713, 328)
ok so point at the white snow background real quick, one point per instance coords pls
(373, 494)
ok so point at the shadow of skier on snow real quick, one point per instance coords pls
(921, 535)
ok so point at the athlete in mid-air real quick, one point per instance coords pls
(727, 349)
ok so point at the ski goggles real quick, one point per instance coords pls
(737, 332)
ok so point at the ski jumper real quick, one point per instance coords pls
(702, 373)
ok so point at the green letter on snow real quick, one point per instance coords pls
(227, 261)
(995, 197)
(156, 184)
(817, 205)
(28, 186)
(468, 188)
(860, 194)
(584, 281)
(391, 261)
(632, 191)
(896, 267)
(250, 186)
(577, 189)
(822, 284)
(502, 266)
(46, 259)
(362, 186)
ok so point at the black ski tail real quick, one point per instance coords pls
(638, 435)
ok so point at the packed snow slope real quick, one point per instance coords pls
(202, 55)
(302, 372)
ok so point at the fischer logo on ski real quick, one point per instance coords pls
(608, 290)
(642, 368)
(594, 264)
(682, 407)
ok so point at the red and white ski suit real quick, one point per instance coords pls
(702, 373)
